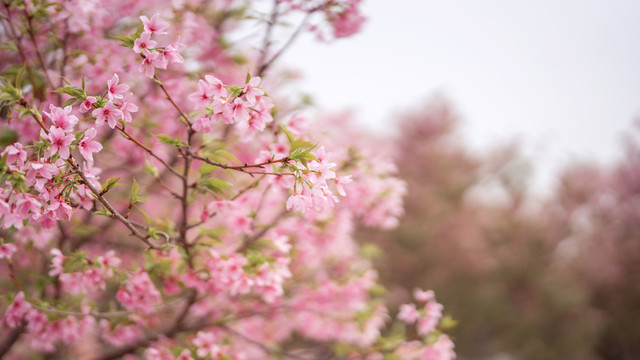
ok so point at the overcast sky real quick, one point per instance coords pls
(561, 75)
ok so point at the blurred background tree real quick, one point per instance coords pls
(527, 276)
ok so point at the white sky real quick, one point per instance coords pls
(561, 75)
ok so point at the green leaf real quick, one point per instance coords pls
(213, 234)
(8, 136)
(70, 102)
(300, 144)
(216, 185)
(19, 77)
(75, 261)
(125, 40)
(109, 184)
(447, 322)
(71, 90)
(289, 134)
(146, 217)
(135, 191)
(246, 81)
(9, 45)
(166, 139)
(207, 169)
(234, 91)
(104, 212)
(151, 169)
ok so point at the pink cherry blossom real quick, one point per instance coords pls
(218, 87)
(87, 104)
(408, 313)
(205, 343)
(60, 143)
(127, 107)
(139, 293)
(151, 61)
(109, 113)
(15, 154)
(39, 172)
(62, 118)
(143, 43)
(56, 262)
(7, 250)
(240, 110)
(155, 25)
(202, 124)
(423, 296)
(87, 146)
(298, 202)
(18, 309)
(204, 95)
(115, 91)
(171, 53)
(251, 90)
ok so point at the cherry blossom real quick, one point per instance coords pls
(60, 142)
(109, 113)
(87, 146)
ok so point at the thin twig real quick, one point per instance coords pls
(148, 150)
(265, 65)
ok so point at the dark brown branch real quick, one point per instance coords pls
(11, 338)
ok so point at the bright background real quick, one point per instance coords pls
(563, 77)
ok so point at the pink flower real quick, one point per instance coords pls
(321, 172)
(348, 22)
(62, 118)
(218, 86)
(139, 293)
(39, 173)
(17, 310)
(202, 124)
(203, 96)
(155, 25)
(251, 90)
(340, 182)
(423, 296)
(115, 91)
(28, 206)
(298, 202)
(7, 250)
(83, 197)
(88, 146)
(259, 119)
(144, 42)
(60, 207)
(408, 313)
(60, 142)
(108, 261)
(152, 60)
(224, 109)
(36, 321)
(185, 355)
(240, 110)
(205, 342)
(87, 104)
(429, 322)
(171, 53)
(109, 113)
(128, 107)
(15, 154)
(442, 349)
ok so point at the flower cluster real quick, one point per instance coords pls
(248, 107)
(169, 232)
(155, 57)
